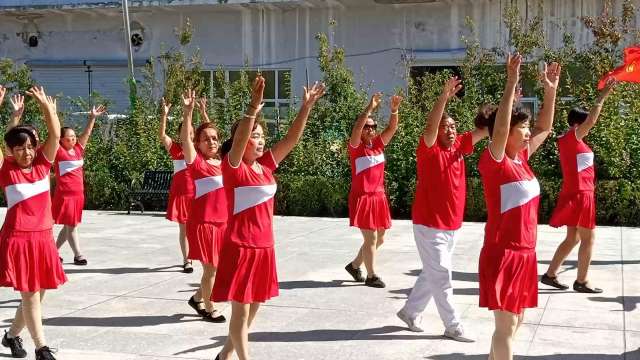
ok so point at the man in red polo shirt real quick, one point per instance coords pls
(437, 212)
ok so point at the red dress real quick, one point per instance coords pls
(576, 204)
(181, 190)
(29, 260)
(208, 214)
(247, 267)
(508, 270)
(441, 189)
(68, 198)
(368, 205)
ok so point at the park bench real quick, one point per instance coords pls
(155, 187)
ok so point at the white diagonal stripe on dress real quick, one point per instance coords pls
(207, 185)
(19, 192)
(585, 160)
(69, 165)
(518, 193)
(179, 165)
(249, 196)
(365, 162)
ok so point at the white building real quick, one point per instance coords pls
(62, 39)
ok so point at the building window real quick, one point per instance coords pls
(277, 93)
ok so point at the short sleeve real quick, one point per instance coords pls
(465, 143)
(41, 164)
(267, 160)
(197, 165)
(175, 151)
(79, 149)
(378, 142)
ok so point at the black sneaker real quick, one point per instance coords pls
(585, 288)
(15, 344)
(553, 282)
(44, 353)
(375, 282)
(79, 260)
(355, 273)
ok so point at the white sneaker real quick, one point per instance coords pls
(412, 324)
(458, 334)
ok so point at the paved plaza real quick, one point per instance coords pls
(131, 301)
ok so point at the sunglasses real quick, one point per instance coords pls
(370, 127)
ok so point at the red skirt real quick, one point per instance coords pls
(205, 241)
(29, 261)
(369, 211)
(178, 208)
(245, 275)
(508, 279)
(575, 209)
(67, 209)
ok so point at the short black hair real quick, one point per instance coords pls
(18, 136)
(576, 116)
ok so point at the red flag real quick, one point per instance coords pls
(629, 71)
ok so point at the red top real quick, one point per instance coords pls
(210, 202)
(512, 194)
(68, 170)
(27, 195)
(250, 200)
(181, 183)
(441, 189)
(367, 167)
(576, 161)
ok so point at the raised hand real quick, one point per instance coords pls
(451, 87)
(37, 92)
(201, 103)
(97, 111)
(257, 94)
(17, 102)
(166, 106)
(513, 67)
(395, 103)
(376, 100)
(52, 103)
(189, 99)
(608, 88)
(3, 92)
(517, 96)
(312, 95)
(550, 76)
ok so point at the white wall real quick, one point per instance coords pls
(283, 36)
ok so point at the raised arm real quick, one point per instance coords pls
(188, 148)
(392, 127)
(550, 78)
(503, 116)
(201, 103)
(17, 103)
(584, 128)
(162, 135)
(48, 107)
(245, 126)
(283, 147)
(93, 114)
(3, 92)
(356, 132)
(449, 89)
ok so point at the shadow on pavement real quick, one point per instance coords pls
(120, 321)
(629, 303)
(458, 356)
(312, 284)
(124, 270)
(380, 333)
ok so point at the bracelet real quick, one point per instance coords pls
(253, 107)
(394, 112)
(249, 116)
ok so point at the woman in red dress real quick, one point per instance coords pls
(28, 256)
(368, 205)
(207, 220)
(68, 198)
(508, 267)
(247, 269)
(181, 190)
(576, 207)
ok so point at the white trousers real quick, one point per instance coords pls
(435, 248)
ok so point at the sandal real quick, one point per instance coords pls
(187, 268)
(197, 306)
(214, 317)
(79, 260)
(585, 288)
(553, 282)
